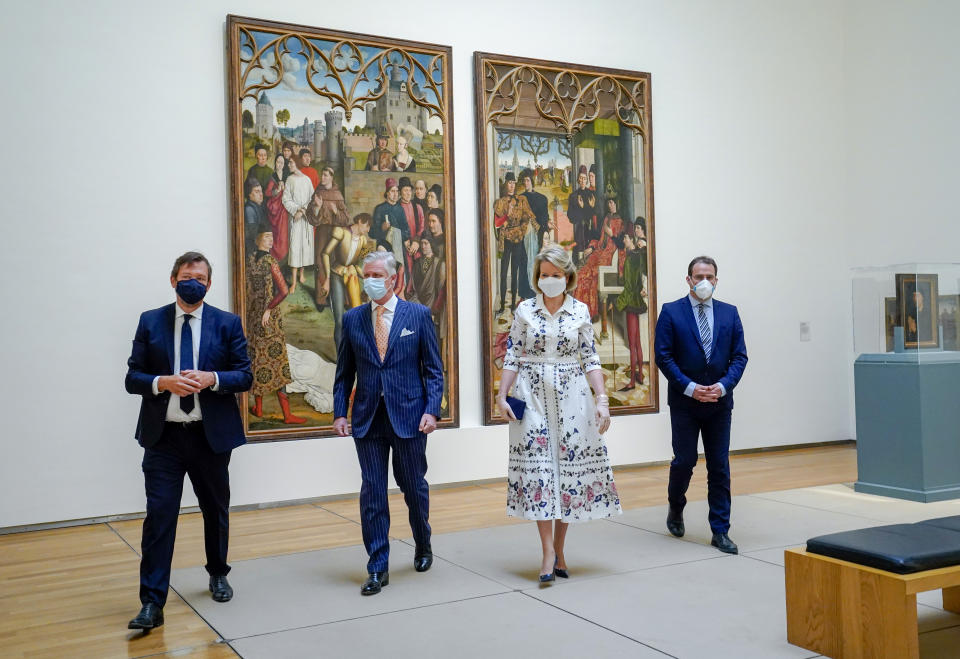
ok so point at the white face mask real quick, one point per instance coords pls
(703, 290)
(553, 286)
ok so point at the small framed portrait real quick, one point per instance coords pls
(917, 302)
(949, 308)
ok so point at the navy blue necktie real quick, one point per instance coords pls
(186, 359)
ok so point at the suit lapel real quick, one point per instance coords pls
(168, 327)
(399, 316)
(366, 327)
(717, 313)
(689, 314)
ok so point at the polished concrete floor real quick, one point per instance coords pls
(634, 590)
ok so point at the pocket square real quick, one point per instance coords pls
(405, 332)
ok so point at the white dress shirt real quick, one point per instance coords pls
(695, 302)
(174, 413)
(390, 306)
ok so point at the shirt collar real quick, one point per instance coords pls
(196, 313)
(390, 306)
(566, 306)
(695, 301)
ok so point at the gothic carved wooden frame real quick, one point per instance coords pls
(338, 73)
(567, 97)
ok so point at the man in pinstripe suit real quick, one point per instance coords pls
(389, 349)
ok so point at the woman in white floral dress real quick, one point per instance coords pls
(559, 471)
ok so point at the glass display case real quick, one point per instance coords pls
(905, 322)
(906, 307)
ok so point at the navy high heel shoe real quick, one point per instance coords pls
(550, 576)
(559, 571)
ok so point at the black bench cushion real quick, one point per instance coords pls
(899, 548)
(952, 523)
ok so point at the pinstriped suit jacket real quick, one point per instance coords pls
(410, 377)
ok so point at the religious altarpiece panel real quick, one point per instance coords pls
(340, 144)
(575, 142)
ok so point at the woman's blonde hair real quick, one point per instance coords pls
(558, 257)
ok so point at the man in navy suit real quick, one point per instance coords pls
(188, 361)
(700, 349)
(389, 349)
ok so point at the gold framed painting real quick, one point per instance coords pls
(566, 157)
(917, 301)
(340, 144)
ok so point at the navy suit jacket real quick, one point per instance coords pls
(410, 377)
(223, 348)
(680, 357)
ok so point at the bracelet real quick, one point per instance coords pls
(602, 397)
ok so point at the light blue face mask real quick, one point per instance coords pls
(375, 287)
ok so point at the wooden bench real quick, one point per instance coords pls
(847, 610)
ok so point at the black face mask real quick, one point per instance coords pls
(190, 290)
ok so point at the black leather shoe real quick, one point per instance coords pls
(675, 522)
(150, 616)
(723, 542)
(374, 583)
(222, 592)
(423, 559)
(547, 578)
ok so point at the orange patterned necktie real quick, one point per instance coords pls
(380, 332)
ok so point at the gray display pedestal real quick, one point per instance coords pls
(908, 425)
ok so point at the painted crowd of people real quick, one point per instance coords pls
(310, 228)
(523, 228)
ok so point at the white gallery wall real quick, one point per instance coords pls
(903, 140)
(903, 137)
(115, 148)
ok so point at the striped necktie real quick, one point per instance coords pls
(706, 337)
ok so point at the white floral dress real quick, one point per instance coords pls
(558, 467)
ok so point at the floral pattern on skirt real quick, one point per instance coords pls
(558, 463)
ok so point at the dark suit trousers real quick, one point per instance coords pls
(182, 450)
(513, 262)
(687, 424)
(409, 470)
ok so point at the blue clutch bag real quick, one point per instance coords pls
(517, 405)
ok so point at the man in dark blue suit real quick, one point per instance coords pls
(188, 361)
(700, 349)
(389, 349)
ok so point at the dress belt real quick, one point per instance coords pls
(549, 360)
